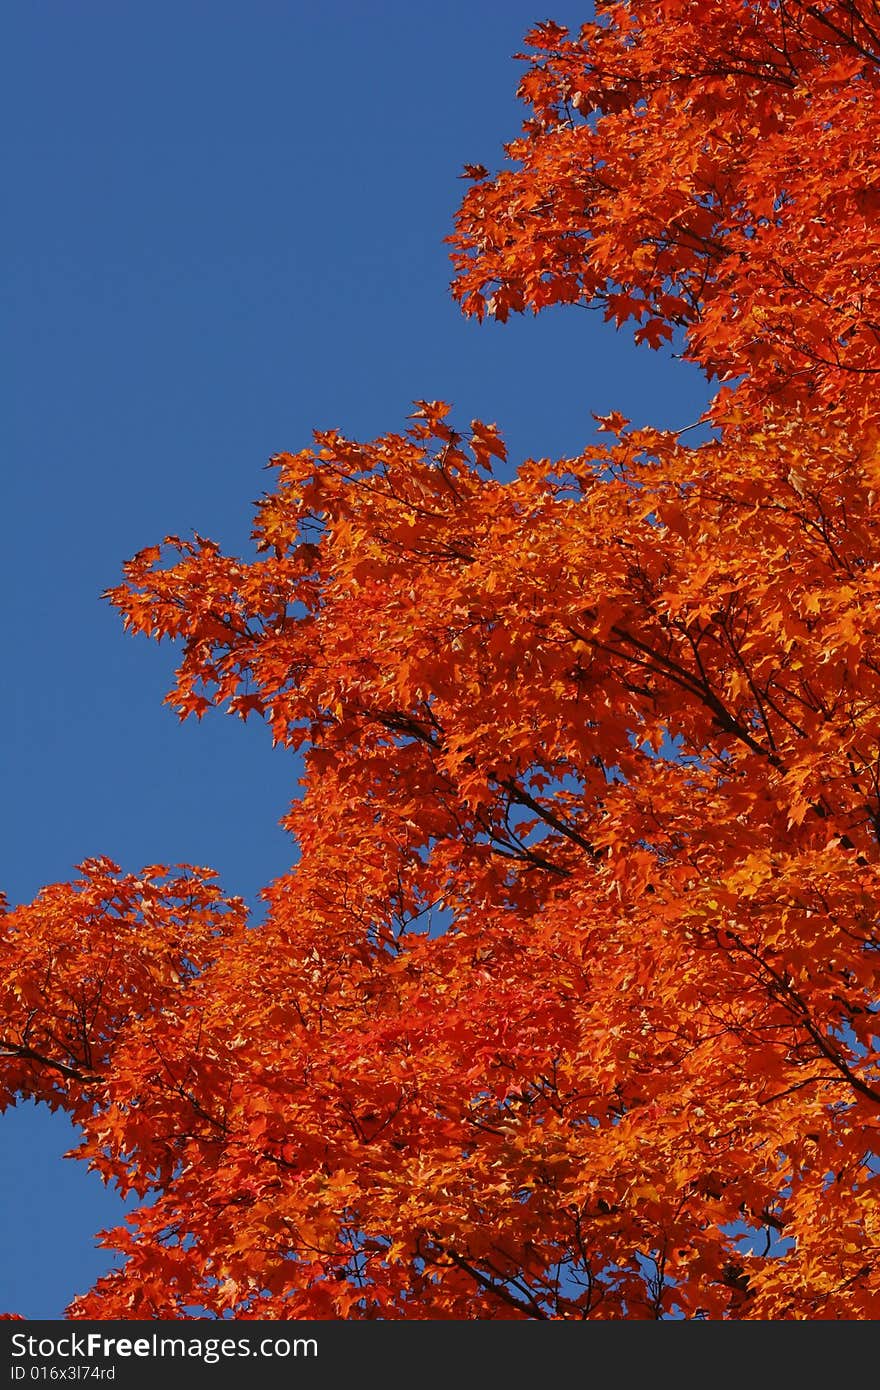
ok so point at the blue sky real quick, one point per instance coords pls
(224, 228)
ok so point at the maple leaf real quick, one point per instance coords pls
(611, 423)
(486, 444)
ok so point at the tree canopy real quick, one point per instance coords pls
(568, 1007)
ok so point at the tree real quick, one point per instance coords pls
(568, 1008)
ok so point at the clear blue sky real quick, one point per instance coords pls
(223, 228)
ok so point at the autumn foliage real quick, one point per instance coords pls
(568, 1008)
